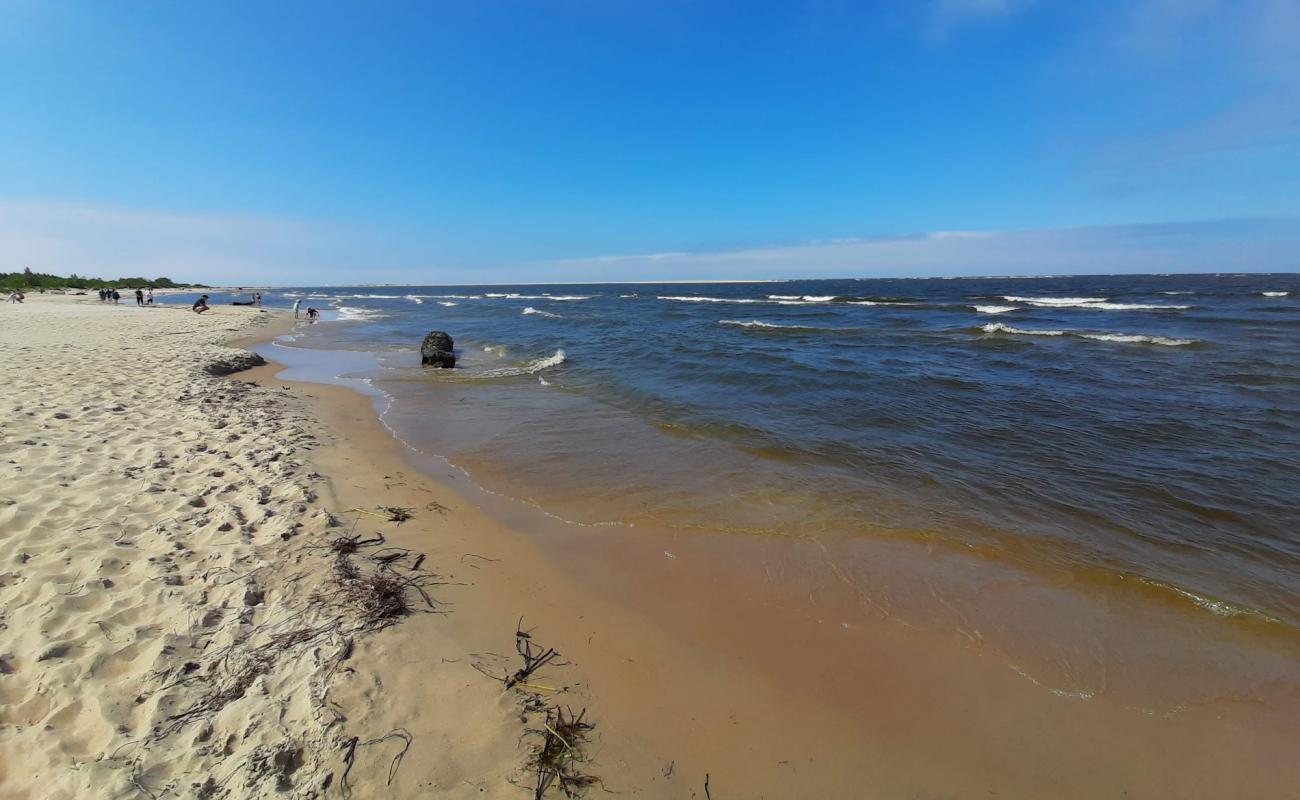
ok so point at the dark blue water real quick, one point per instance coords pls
(1141, 428)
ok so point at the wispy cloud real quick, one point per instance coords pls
(1250, 45)
(946, 16)
(1253, 245)
(63, 237)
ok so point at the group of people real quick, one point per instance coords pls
(312, 313)
(142, 297)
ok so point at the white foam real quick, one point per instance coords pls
(807, 298)
(994, 309)
(998, 327)
(754, 323)
(1128, 338)
(1276, 294)
(415, 299)
(1094, 303)
(447, 303)
(515, 296)
(1133, 338)
(531, 368)
(531, 310)
(359, 314)
(709, 299)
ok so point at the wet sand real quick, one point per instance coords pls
(771, 666)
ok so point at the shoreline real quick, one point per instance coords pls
(689, 667)
(812, 674)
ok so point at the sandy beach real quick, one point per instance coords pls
(217, 583)
(174, 625)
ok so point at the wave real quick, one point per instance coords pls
(447, 303)
(1129, 338)
(683, 299)
(531, 368)
(359, 314)
(754, 323)
(1095, 303)
(531, 310)
(415, 299)
(1276, 294)
(1187, 292)
(994, 309)
(808, 298)
(514, 296)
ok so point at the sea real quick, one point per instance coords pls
(1105, 432)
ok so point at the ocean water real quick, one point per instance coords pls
(1102, 430)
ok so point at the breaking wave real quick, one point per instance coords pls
(754, 323)
(1095, 303)
(358, 314)
(1276, 294)
(531, 368)
(514, 296)
(531, 310)
(1129, 338)
(994, 309)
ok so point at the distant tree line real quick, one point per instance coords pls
(40, 281)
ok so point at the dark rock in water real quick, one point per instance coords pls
(437, 351)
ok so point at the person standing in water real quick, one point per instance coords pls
(297, 304)
(139, 297)
(148, 298)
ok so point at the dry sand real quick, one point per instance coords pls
(169, 624)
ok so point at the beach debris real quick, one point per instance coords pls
(437, 350)
(560, 757)
(235, 362)
(397, 513)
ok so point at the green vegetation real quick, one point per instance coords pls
(41, 281)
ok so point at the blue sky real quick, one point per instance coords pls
(432, 142)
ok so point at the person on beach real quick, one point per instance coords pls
(297, 304)
(139, 297)
(200, 305)
(312, 314)
(101, 295)
(17, 296)
(148, 298)
(116, 296)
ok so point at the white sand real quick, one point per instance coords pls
(167, 628)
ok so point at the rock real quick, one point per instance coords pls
(437, 351)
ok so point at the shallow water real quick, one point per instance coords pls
(1117, 428)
